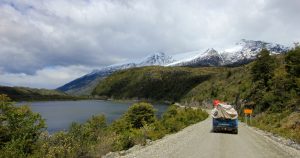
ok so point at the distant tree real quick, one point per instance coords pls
(292, 60)
(263, 68)
(20, 129)
(292, 66)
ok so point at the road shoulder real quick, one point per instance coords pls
(287, 145)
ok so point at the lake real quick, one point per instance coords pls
(60, 114)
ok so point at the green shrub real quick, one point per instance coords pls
(124, 141)
(87, 139)
(283, 123)
(139, 114)
(175, 118)
(20, 129)
(263, 68)
(95, 127)
(14, 148)
(22, 132)
(293, 62)
(155, 130)
(61, 144)
(120, 126)
(173, 125)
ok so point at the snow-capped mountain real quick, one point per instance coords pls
(160, 59)
(247, 50)
(156, 59)
(210, 57)
(86, 83)
(242, 52)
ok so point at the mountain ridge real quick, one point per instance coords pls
(243, 52)
(34, 94)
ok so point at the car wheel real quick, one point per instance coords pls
(235, 131)
(214, 130)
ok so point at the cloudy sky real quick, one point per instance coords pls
(47, 43)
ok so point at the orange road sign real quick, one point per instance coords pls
(248, 111)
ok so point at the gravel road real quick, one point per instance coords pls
(198, 141)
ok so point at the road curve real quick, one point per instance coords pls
(198, 141)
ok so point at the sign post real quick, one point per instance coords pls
(248, 112)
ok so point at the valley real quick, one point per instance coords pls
(274, 95)
(153, 79)
(268, 84)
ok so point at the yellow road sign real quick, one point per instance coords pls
(248, 111)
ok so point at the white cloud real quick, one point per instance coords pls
(50, 77)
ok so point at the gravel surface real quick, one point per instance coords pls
(198, 141)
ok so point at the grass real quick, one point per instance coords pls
(285, 124)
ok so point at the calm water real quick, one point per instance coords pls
(60, 114)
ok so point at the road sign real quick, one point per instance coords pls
(248, 111)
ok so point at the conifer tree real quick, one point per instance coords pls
(263, 68)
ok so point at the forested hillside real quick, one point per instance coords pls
(32, 94)
(270, 85)
(154, 83)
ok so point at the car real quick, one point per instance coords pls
(227, 125)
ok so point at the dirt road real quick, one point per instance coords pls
(198, 141)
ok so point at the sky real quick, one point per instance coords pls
(47, 43)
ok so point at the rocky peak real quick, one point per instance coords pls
(159, 58)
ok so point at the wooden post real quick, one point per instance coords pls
(248, 112)
(250, 119)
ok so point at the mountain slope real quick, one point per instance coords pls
(154, 83)
(276, 109)
(246, 50)
(210, 57)
(32, 94)
(276, 103)
(242, 53)
(85, 84)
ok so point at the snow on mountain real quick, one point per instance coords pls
(184, 57)
(151, 60)
(210, 57)
(242, 52)
(87, 82)
(247, 50)
(156, 59)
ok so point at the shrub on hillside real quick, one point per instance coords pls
(139, 124)
(20, 129)
(293, 62)
(81, 140)
(175, 118)
(139, 114)
(263, 68)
